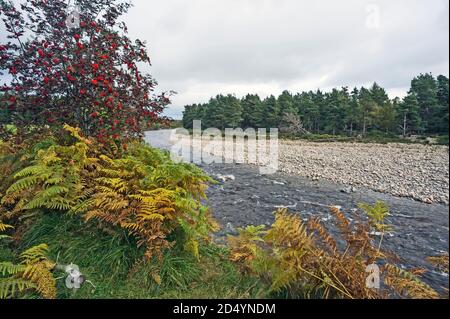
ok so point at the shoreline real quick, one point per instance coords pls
(420, 230)
(416, 171)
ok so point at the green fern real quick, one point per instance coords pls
(377, 214)
(8, 268)
(32, 273)
(141, 191)
(10, 286)
(53, 180)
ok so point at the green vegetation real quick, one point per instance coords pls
(303, 260)
(442, 140)
(135, 222)
(379, 138)
(424, 111)
(291, 259)
(112, 263)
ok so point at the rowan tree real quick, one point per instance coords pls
(85, 73)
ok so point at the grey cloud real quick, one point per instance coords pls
(200, 48)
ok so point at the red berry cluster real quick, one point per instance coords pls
(86, 77)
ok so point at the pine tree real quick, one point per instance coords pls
(408, 111)
(425, 88)
(286, 104)
(272, 112)
(335, 112)
(353, 111)
(367, 107)
(379, 94)
(231, 109)
(443, 100)
(337, 101)
(307, 110)
(319, 101)
(385, 117)
(214, 113)
(253, 112)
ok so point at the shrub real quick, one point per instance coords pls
(442, 140)
(141, 191)
(86, 76)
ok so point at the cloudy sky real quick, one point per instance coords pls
(200, 48)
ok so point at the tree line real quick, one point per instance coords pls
(424, 110)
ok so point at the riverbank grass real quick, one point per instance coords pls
(113, 265)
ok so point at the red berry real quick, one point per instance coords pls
(46, 80)
(41, 53)
(94, 81)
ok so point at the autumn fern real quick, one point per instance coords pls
(34, 272)
(304, 260)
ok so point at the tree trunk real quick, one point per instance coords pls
(404, 125)
(364, 127)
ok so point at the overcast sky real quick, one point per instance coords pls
(201, 48)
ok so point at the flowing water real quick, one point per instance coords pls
(419, 230)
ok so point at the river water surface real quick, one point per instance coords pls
(420, 230)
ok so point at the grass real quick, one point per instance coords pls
(378, 138)
(112, 264)
(443, 140)
(371, 137)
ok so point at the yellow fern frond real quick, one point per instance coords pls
(4, 227)
(34, 255)
(407, 284)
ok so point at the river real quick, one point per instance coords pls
(420, 230)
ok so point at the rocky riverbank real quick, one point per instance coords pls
(419, 230)
(314, 176)
(416, 171)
